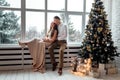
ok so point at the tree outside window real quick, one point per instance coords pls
(9, 25)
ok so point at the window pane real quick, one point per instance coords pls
(9, 27)
(74, 28)
(87, 18)
(35, 27)
(75, 5)
(35, 4)
(56, 4)
(89, 5)
(11, 3)
(51, 16)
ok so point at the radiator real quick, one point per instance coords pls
(18, 58)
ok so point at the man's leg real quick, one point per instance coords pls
(51, 52)
(61, 56)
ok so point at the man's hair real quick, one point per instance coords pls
(56, 17)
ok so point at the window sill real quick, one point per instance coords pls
(9, 46)
(18, 46)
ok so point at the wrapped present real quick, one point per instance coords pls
(110, 65)
(101, 66)
(113, 70)
(102, 69)
(94, 74)
(95, 69)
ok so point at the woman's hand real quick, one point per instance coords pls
(46, 39)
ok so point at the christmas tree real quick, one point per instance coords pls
(98, 44)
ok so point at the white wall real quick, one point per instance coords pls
(108, 9)
(116, 22)
(112, 7)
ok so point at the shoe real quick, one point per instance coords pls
(60, 71)
(54, 66)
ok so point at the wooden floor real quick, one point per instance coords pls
(48, 75)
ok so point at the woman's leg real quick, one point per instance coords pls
(24, 43)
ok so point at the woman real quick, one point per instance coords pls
(52, 34)
(50, 37)
(37, 47)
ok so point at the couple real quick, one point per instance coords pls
(56, 37)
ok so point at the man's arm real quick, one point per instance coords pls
(63, 36)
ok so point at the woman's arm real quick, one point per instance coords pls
(53, 38)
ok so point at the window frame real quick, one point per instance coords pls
(23, 11)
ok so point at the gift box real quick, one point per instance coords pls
(110, 71)
(110, 65)
(95, 69)
(94, 74)
(101, 66)
(102, 69)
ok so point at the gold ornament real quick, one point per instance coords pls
(105, 16)
(87, 32)
(101, 21)
(102, 42)
(98, 9)
(97, 44)
(107, 26)
(88, 48)
(102, 10)
(91, 41)
(99, 29)
(95, 35)
(93, 45)
(97, 41)
(105, 32)
(90, 25)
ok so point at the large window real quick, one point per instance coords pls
(28, 19)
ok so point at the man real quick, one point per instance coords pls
(61, 42)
